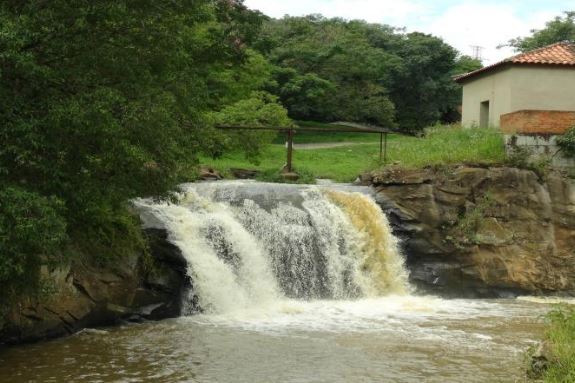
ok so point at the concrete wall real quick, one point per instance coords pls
(495, 88)
(540, 147)
(518, 88)
(542, 88)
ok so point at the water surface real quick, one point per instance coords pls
(392, 339)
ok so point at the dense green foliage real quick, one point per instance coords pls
(560, 336)
(566, 143)
(260, 110)
(103, 101)
(332, 69)
(557, 30)
(31, 232)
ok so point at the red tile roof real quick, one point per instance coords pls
(562, 54)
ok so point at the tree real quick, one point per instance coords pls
(103, 101)
(331, 61)
(423, 89)
(465, 64)
(557, 30)
(260, 110)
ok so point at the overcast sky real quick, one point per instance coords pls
(461, 23)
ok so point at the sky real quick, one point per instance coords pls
(461, 23)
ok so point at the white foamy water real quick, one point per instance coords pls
(255, 245)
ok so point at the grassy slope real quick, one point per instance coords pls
(441, 145)
(560, 335)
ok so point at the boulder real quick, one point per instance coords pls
(480, 231)
(87, 296)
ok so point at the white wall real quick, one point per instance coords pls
(493, 87)
(542, 88)
(518, 88)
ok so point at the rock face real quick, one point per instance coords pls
(82, 296)
(473, 231)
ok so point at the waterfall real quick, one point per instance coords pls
(250, 244)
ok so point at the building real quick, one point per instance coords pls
(539, 86)
(530, 97)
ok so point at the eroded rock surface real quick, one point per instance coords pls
(474, 231)
(80, 296)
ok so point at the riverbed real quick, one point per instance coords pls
(389, 339)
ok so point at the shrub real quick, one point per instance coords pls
(566, 143)
(32, 231)
(560, 336)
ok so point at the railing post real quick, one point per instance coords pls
(380, 147)
(289, 150)
(385, 148)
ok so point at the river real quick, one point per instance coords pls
(392, 339)
(291, 284)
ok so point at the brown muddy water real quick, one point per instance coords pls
(391, 339)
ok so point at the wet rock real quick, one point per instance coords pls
(480, 231)
(244, 174)
(86, 296)
(209, 174)
(539, 360)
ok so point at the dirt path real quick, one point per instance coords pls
(328, 145)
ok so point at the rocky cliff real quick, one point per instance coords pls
(79, 295)
(475, 231)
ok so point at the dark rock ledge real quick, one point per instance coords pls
(82, 296)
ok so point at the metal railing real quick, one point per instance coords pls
(346, 128)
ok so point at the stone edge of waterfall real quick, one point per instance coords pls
(93, 297)
(522, 240)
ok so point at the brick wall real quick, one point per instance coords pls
(537, 122)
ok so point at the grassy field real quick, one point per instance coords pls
(320, 137)
(440, 145)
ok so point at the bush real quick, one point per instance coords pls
(32, 231)
(566, 143)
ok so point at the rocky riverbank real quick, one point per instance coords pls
(482, 232)
(79, 296)
(467, 232)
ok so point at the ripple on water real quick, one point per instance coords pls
(399, 339)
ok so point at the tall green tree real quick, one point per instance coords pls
(103, 101)
(422, 90)
(557, 30)
(328, 70)
(332, 69)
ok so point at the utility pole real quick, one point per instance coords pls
(477, 52)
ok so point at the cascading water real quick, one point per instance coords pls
(250, 244)
(296, 284)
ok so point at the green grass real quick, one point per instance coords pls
(560, 336)
(440, 146)
(443, 145)
(321, 137)
(340, 164)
